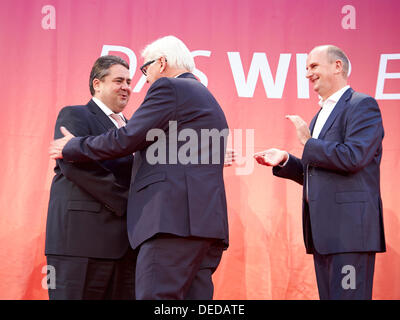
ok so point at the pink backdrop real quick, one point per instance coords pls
(252, 59)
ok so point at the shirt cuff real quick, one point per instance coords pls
(284, 164)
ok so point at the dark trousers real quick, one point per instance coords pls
(80, 278)
(177, 268)
(345, 276)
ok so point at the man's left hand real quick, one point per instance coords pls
(303, 133)
(57, 146)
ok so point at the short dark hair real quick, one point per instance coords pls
(101, 68)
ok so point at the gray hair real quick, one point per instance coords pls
(334, 53)
(101, 68)
(173, 50)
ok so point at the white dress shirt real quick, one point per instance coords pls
(327, 107)
(108, 111)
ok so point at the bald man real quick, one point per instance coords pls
(340, 173)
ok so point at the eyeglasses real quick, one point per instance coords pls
(143, 68)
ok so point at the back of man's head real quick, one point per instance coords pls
(173, 50)
(101, 68)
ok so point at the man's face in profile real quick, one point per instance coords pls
(320, 72)
(155, 69)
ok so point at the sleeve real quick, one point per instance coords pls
(292, 169)
(157, 109)
(92, 177)
(363, 137)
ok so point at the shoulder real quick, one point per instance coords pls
(360, 101)
(357, 97)
(162, 86)
(77, 112)
(163, 81)
(363, 106)
(188, 80)
(176, 87)
(74, 109)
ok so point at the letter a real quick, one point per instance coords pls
(349, 20)
(49, 281)
(49, 20)
(157, 151)
(349, 281)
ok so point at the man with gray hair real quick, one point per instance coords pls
(177, 214)
(340, 174)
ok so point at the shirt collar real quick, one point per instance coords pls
(334, 97)
(104, 108)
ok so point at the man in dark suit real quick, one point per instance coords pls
(86, 236)
(339, 171)
(177, 215)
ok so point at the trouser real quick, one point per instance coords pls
(345, 276)
(172, 267)
(82, 278)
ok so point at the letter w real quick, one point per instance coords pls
(259, 65)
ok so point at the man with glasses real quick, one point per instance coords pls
(177, 215)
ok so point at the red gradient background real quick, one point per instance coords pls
(43, 70)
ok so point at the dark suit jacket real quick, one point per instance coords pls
(181, 199)
(341, 168)
(88, 201)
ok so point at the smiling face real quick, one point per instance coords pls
(323, 73)
(114, 89)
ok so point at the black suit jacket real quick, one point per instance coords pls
(340, 175)
(177, 198)
(88, 201)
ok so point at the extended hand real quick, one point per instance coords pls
(271, 157)
(303, 133)
(57, 146)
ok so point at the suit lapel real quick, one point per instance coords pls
(340, 105)
(100, 115)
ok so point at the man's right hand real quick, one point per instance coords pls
(271, 157)
(57, 145)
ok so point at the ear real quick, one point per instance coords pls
(163, 63)
(96, 84)
(338, 66)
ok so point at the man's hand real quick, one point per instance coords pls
(57, 146)
(303, 133)
(271, 157)
(230, 157)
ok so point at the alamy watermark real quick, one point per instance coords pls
(349, 280)
(49, 20)
(203, 146)
(49, 281)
